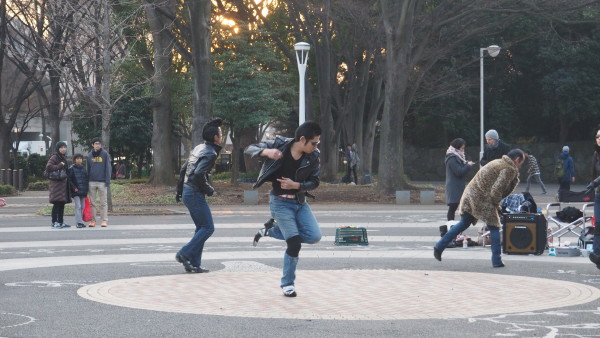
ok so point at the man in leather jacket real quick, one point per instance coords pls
(292, 167)
(193, 186)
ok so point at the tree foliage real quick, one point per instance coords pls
(250, 87)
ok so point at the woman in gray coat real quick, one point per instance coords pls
(457, 168)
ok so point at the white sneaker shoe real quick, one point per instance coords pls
(289, 291)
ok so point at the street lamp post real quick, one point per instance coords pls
(492, 51)
(301, 49)
(49, 138)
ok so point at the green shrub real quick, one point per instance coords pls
(38, 186)
(222, 177)
(7, 190)
(36, 164)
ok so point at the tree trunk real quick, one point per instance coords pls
(398, 32)
(54, 117)
(200, 13)
(163, 169)
(105, 105)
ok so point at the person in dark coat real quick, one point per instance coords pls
(494, 148)
(457, 168)
(594, 256)
(78, 182)
(58, 189)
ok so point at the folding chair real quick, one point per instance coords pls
(565, 227)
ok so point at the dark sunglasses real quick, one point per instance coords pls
(314, 144)
(597, 136)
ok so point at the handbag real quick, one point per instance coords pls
(86, 215)
(55, 175)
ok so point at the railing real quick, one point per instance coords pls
(12, 177)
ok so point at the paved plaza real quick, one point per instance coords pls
(123, 281)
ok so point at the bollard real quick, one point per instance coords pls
(366, 179)
(250, 197)
(402, 197)
(427, 197)
(8, 177)
(21, 181)
(15, 180)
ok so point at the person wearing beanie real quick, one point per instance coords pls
(99, 170)
(494, 148)
(58, 188)
(564, 182)
(192, 187)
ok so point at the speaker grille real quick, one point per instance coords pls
(521, 237)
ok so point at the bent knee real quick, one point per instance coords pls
(313, 239)
(293, 246)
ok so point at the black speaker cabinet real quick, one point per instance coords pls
(524, 234)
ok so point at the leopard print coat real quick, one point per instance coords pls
(491, 184)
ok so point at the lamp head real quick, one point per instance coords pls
(302, 46)
(493, 50)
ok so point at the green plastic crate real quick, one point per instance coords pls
(351, 236)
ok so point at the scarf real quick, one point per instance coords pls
(458, 153)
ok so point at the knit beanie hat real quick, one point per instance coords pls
(493, 134)
(59, 144)
(565, 149)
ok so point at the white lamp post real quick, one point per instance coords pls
(301, 49)
(492, 51)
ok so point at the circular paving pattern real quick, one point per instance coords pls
(343, 294)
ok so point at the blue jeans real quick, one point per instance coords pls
(202, 217)
(292, 219)
(465, 222)
(79, 204)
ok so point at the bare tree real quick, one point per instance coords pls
(417, 36)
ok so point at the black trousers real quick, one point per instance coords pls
(58, 211)
(451, 211)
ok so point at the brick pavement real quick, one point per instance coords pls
(343, 294)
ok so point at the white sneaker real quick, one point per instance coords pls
(289, 291)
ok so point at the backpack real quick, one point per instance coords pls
(569, 214)
(559, 168)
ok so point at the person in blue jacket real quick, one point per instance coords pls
(569, 167)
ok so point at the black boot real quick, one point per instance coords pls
(443, 230)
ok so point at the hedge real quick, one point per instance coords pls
(7, 190)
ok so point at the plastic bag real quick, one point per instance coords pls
(86, 215)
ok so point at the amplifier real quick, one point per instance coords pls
(524, 233)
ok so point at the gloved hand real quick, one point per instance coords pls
(177, 198)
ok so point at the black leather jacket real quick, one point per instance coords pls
(195, 173)
(307, 174)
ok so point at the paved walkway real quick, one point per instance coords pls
(244, 288)
(326, 294)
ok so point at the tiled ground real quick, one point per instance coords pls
(343, 294)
